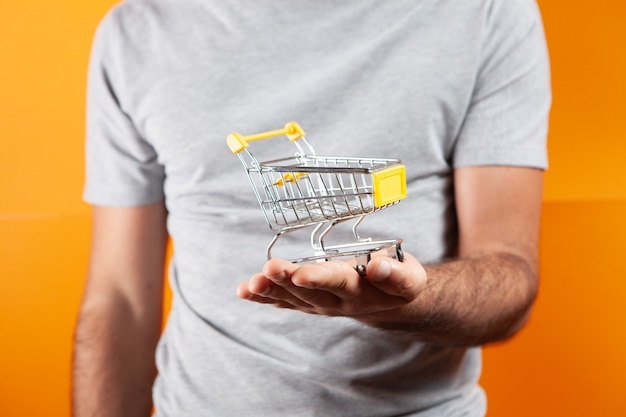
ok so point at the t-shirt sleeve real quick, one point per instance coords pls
(122, 167)
(507, 119)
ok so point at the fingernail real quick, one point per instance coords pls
(280, 276)
(383, 271)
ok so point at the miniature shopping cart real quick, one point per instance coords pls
(319, 191)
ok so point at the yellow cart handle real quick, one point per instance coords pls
(237, 142)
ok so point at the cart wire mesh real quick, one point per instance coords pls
(306, 189)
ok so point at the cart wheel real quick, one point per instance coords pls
(399, 252)
(362, 261)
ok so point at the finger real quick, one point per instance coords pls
(278, 304)
(404, 279)
(333, 276)
(299, 282)
(279, 270)
(262, 290)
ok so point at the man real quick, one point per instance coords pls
(458, 90)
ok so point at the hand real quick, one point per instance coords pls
(334, 288)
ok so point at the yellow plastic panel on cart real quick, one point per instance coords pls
(389, 185)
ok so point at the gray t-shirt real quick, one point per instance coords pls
(437, 83)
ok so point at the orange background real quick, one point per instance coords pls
(569, 361)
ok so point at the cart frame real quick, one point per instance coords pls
(306, 190)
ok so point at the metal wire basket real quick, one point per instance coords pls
(320, 191)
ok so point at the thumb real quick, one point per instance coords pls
(404, 279)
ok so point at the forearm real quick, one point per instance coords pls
(467, 302)
(114, 366)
